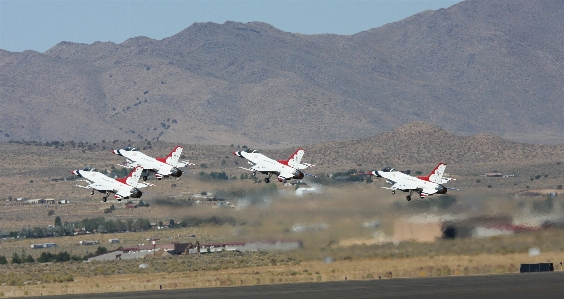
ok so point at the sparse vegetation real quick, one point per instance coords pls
(271, 212)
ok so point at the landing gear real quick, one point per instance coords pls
(393, 192)
(105, 198)
(254, 173)
(267, 180)
(409, 196)
(144, 177)
(92, 192)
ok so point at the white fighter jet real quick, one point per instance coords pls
(283, 169)
(121, 187)
(161, 167)
(423, 185)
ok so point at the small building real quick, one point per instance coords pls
(88, 242)
(37, 246)
(49, 245)
(493, 174)
(36, 201)
(114, 241)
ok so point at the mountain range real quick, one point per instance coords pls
(480, 66)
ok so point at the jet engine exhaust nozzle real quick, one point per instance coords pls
(175, 172)
(136, 193)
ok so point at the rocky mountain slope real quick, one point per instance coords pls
(477, 67)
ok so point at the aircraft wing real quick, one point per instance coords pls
(286, 174)
(143, 185)
(262, 167)
(99, 186)
(303, 166)
(130, 164)
(123, 192)
(405, 186)
(163, 171)
(428, 191)
(184, 164)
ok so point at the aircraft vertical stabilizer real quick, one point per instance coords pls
(133, 177)
(172, 158)
(436, 175)
(295, 159)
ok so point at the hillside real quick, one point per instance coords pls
(480, 66)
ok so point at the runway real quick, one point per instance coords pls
(516, 286)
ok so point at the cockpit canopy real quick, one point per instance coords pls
(250, 151)
(130, 149)
(388, 169)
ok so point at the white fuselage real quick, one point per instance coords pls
(266, 165)
(263, 163)
(100, 182)
(148, 163)
(403, 182)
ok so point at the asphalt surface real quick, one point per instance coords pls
(516, 286)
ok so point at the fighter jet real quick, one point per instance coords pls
(120, 187)
(423, 185)
(161, 167)
(283, 169)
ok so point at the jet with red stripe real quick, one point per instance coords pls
(160, 167)
(121, 187)
(284, 169)
(422, 185)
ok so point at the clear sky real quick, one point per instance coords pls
(41, 24)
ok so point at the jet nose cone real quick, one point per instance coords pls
(236, 154)
(116, 152)
(75, 172)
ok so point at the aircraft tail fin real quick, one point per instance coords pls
(436, 176)
(172, 158)
(295, 160)
(133, 177)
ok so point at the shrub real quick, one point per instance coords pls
(29, 259)
(100, 250)
(16, 258)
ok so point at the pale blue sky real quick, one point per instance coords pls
(39, 25)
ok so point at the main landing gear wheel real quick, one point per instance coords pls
(408, 198)
(393, 192)
(144, 177)
(267, 180)
(92, 192)
(104, 199)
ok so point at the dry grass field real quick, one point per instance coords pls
(347, 229)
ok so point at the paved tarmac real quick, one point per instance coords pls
(515, 286)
